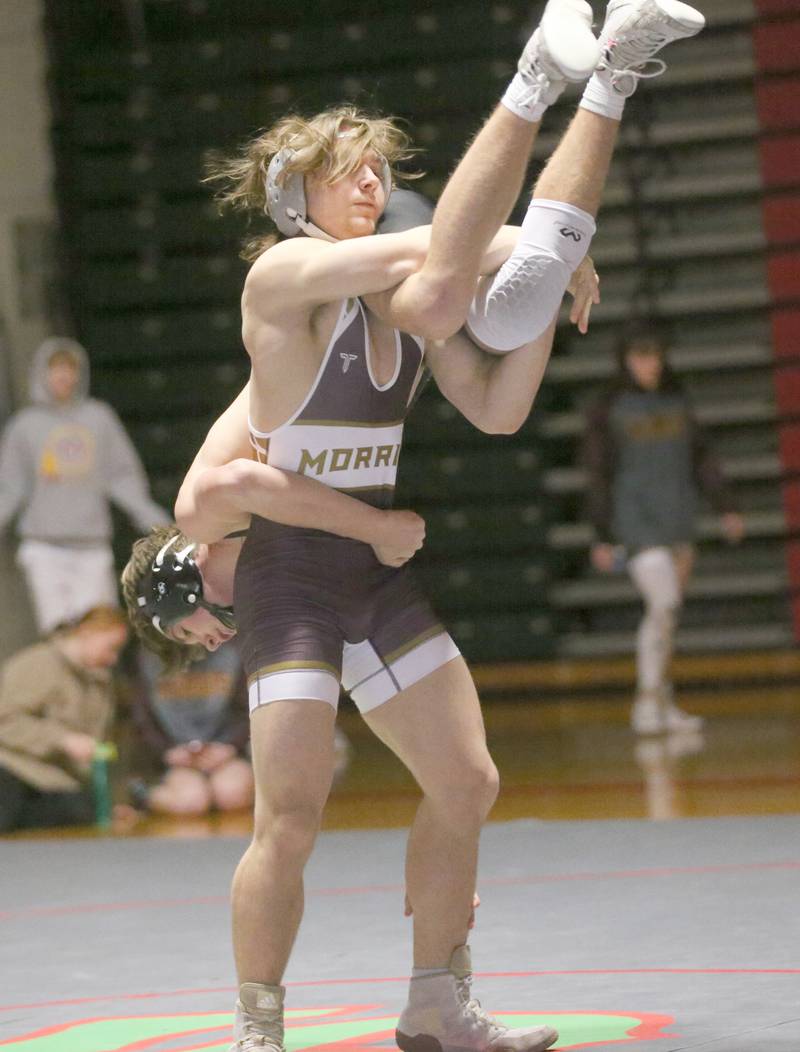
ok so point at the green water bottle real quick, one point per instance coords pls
(104, 753)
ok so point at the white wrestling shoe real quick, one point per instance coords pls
(647, 715)
(442, 1016)
(258, 1025)
(634, 31)
(562, 50)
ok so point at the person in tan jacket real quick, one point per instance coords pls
(55, 706)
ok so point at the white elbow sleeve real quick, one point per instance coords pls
(516, 305)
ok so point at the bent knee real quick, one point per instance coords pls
(290, 831)
(468, 798)
(440, 307)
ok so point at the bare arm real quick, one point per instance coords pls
(299, 274)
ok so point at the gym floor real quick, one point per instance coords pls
(639, 893)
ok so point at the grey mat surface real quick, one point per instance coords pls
(650, 936)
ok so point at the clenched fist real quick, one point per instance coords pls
(403, 533)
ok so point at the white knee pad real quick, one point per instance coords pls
(655, 576)
(516, 305)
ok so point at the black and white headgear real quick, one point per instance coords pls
(286, 196)
(172, 589)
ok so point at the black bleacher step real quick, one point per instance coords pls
(743, 468)
(483, 585)
(755, 636)
(584, 368)
(522, 636)
(606, 591)
(483, 529)
(489, 474)
(190, 333)
(579, 536)
(715, 414)
(169, 282)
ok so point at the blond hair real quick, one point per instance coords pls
(173, 655)
(318, 145)
(100, 618)
(62, 349)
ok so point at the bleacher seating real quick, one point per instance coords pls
(154, 281)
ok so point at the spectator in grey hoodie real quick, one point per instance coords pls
(62, 459)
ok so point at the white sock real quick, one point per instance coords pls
(600, 97)
(514, 99)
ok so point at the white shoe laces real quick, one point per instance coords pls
(635, 56)
(268, 1035)
(536, 84)
(473, 1008)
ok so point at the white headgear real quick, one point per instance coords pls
(286, 197)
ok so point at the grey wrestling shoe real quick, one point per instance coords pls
(259, 1019)
(634, 31)
(563, 49)
(442, 1016)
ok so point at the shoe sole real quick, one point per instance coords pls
(429, 1043)
(689, 18)
(569, 41)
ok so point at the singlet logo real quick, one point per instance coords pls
(346, 360)
(347, 458)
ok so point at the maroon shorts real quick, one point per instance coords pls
(317, 612)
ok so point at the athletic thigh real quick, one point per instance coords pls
(436, 728)
(293, 757)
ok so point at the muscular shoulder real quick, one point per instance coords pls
(278, 271)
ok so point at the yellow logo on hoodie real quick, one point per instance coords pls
(68, 453)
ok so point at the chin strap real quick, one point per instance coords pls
(310, 228)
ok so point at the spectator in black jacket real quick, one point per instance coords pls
(648, 465)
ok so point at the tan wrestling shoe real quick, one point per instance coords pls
(443, 1016)
(258, 1025)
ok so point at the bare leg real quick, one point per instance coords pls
(436, 729)
(293, 767)
(577, 171)
(475, 203)
(518, 303)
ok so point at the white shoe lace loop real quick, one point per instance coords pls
(536, 84)
(657, 67)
